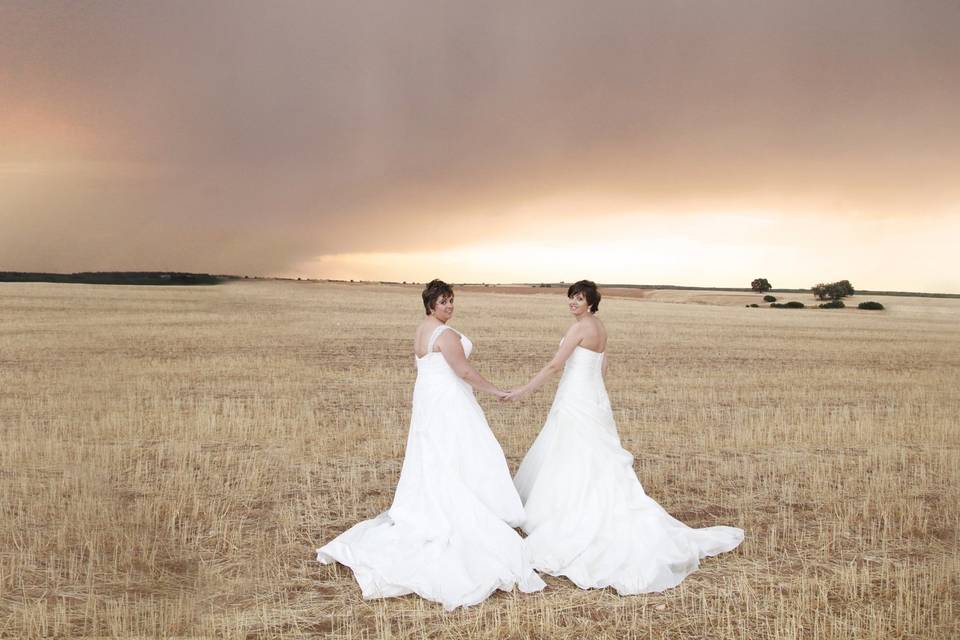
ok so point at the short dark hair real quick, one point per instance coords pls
(433, 291)
(589, 290)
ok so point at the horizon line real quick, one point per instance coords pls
(538, 284)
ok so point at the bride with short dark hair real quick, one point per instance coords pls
(448, 536)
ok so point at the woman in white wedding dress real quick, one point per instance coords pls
(588, 517)
(448, 536)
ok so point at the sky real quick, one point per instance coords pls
(682, 142)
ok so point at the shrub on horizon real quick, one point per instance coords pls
(870, 306)
(833, 304)
(769, 298)
(760, 285)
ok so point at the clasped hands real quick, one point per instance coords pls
(513, 394)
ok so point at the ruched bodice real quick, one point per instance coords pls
(434, 362)
(583, 376)
(583, 358)
(434, 372)
(583, 363)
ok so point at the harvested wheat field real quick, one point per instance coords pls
(172, 456)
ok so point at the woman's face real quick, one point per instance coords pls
(443, 308)
(578, 304)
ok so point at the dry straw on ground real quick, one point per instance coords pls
(171, 457)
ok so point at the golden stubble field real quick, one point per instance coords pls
(171, 457)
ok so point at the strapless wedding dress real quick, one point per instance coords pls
(448, 536)
(588, 517)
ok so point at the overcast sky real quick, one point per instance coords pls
(678, 142)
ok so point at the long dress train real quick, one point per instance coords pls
(448, 535)
(588, 517)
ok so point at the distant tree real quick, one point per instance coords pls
(833, 290)
(845, 288)
(760, 285)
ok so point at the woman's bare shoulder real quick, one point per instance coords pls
(423, 331)
(601, 328)
(595, 333)
(591, 325)
(575, 330)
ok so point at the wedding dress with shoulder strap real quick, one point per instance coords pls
(448, 536)
(588, 517)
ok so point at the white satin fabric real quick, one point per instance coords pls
(588, 517)
(448, 535)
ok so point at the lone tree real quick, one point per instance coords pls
(833, 290)
(760, 285)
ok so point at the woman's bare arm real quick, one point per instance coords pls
(570, 341)
(452, 350)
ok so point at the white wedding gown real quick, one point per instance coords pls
(449, 535)
(588, 517)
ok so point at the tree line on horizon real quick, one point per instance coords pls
(833, 291)
(116, 277)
